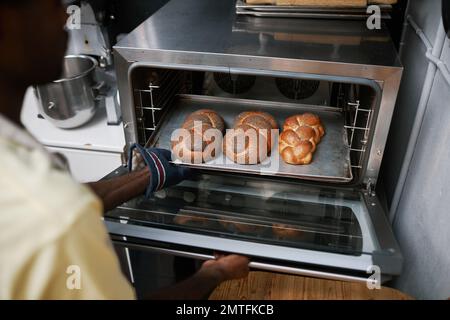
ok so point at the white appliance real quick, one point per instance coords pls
(95, 148)
(92, 151)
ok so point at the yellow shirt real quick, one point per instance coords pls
(53, 244)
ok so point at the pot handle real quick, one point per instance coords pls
(99, 90)
(51, 105)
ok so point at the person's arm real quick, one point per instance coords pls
(210, 275)
(158, 173)
(116, 191)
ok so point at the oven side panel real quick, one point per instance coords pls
(390, 87)
(126, 99)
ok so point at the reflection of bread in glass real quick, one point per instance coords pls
(241, 227)
(285, 231)
(191, 220)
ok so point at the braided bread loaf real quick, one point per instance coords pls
(306, 120)
(299, 139)
(193, 148)
(252, 130)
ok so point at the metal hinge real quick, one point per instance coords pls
(370, 188)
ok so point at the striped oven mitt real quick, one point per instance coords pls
(162, 173)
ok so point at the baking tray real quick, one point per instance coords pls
(324, 9)
(309, 15)
(265, 10)
(331, 161)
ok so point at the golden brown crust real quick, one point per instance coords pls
(301, 134)
(244, 150)
(291, 123)
(308, 134)
(308, 120)
(313, 121)
(260, 126)
(245, 116)
(242, 145)
(209, 116)
(294, 150)
(192, 147)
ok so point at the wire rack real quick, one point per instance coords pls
(358, 128)
(152, 100)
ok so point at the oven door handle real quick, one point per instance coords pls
(253, 264)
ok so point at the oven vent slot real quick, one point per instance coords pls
(151, 100)
(358, 123)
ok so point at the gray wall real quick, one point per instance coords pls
(422, 221)
(425, 14)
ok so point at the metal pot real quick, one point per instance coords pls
(72, 100)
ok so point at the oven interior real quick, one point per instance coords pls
(323, 215)
(354, 106)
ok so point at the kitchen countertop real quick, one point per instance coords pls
(274, 286)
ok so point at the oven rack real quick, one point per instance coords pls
(151, 101)
(359, 130)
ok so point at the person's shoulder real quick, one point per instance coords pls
(37, 195)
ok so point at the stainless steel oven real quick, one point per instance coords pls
(197, 54)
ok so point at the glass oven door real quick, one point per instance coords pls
(282, 225)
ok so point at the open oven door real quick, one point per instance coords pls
(283, 226)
